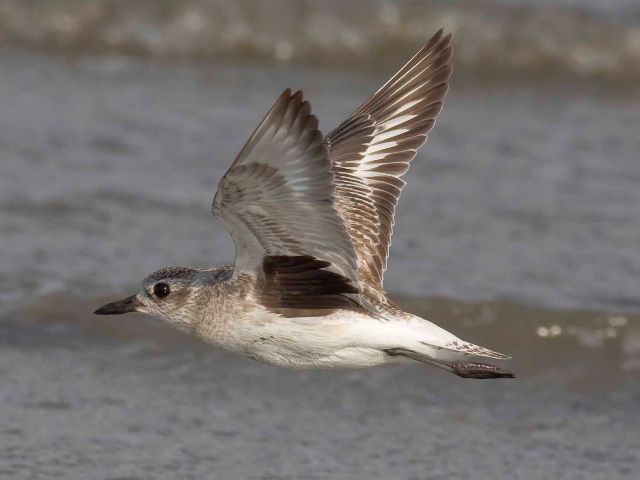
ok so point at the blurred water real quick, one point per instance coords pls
(534, 37)
(527, 192)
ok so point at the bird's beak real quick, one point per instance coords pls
(126, 305)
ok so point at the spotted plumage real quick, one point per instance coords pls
(312, 218)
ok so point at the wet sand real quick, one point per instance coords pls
(127, 397)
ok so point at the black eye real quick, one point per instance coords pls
(161, 290)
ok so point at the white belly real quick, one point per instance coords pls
(332, 341)
(350, 357)
(344, 339)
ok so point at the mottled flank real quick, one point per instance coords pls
(226, 304)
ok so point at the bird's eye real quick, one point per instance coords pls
(161, 290)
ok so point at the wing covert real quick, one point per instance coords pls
(277, 199)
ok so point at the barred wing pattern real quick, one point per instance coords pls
(371, 150)
(277, 199)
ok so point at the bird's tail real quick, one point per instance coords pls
(420, 340)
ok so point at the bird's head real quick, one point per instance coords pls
(170, 293)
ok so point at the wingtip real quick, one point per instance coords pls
(296, 99)
(440, 38)
(285, 95)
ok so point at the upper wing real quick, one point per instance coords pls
(372, 149)
(277, 199)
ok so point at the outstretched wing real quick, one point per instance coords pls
(371, 150)
(277, 201)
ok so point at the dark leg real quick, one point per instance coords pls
(480, 370)
(461, 369)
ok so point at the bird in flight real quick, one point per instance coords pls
(311, 218)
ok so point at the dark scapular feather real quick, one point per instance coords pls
(302, 282)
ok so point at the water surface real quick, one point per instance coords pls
(528, 192)
(126, 397)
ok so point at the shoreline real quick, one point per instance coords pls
(537, 338)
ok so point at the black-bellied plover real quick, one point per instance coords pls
(311, 218)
